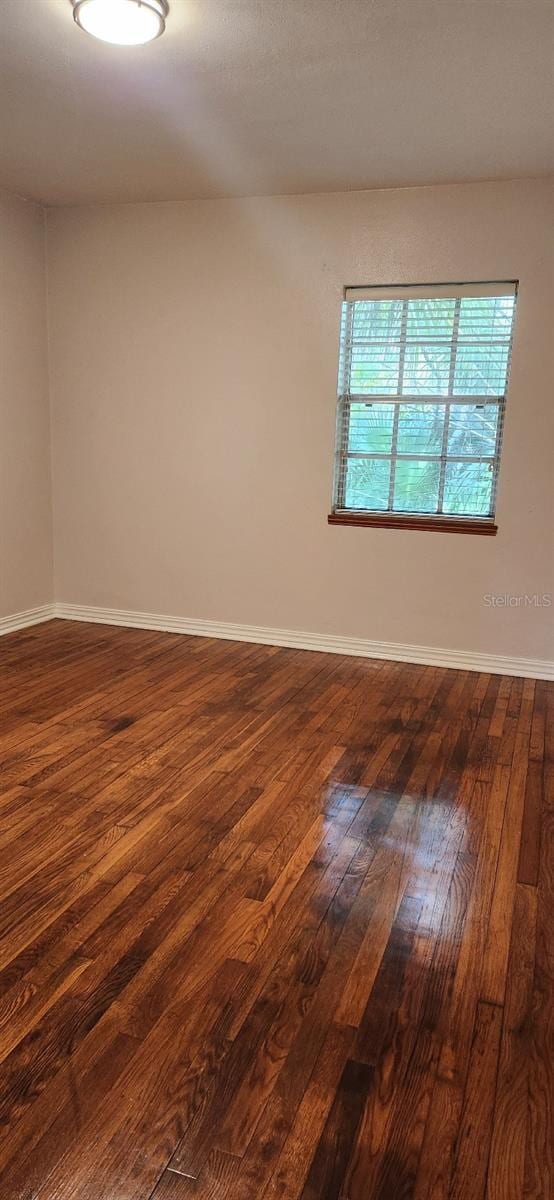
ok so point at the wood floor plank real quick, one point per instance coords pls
(474, 1136)
(539, 1155)
(274, 924)
(529, 854)
(507, 1157)
(333, 1149)
(498, 938)
(293, 1162)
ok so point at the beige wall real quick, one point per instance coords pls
(193, 373)
(25, 494)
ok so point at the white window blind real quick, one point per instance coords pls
(422, 387)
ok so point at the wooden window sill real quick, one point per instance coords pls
(385, 520)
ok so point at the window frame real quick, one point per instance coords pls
(397, 518)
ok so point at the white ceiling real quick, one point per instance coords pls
(242, 97)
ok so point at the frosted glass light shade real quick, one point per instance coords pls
(123, 22)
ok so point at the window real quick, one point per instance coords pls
(422, 389)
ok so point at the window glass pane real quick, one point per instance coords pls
(472, 431)
(370, 428)
(426, 370)
(468, 489)
(416, 486)
(420, 428)
(376, 319)
(430, 319)
(486, 318)
(374, 368)
(481, 370)
(367, 483)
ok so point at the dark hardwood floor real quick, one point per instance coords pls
(274, 924)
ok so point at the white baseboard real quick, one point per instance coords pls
(434, 656)
(31, 616)
(328, 643)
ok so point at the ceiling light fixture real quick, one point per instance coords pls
(124, 22)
